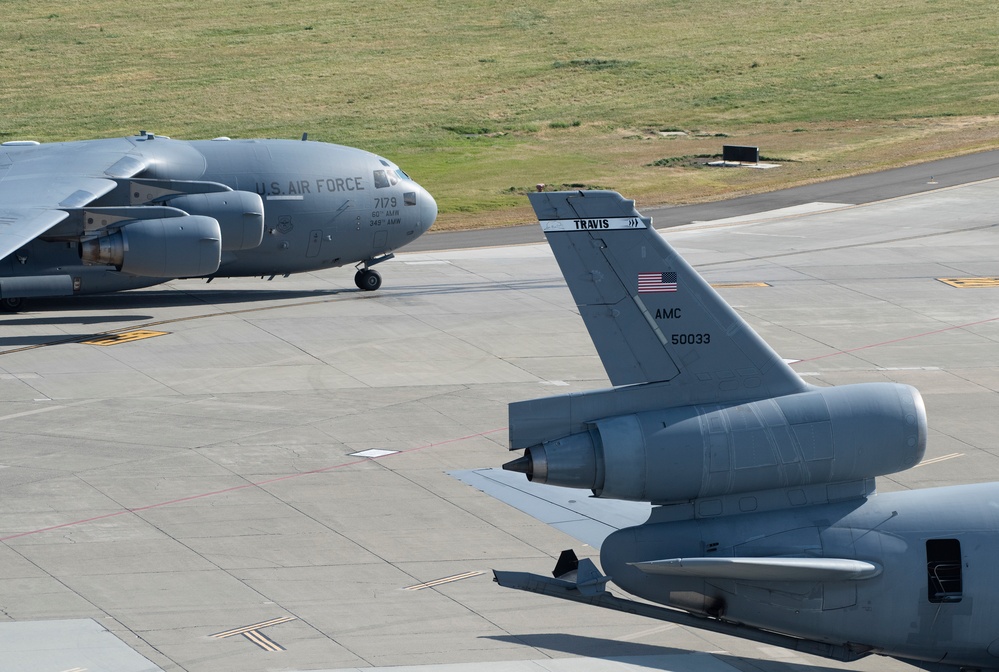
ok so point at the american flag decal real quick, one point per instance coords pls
(663, 281)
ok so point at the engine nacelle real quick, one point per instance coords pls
(173, 247)
(240, 215)
(826, 435)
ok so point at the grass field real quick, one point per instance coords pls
(481, 100)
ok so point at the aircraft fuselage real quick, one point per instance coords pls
(936, 598)
(316, 205)
(324, 205)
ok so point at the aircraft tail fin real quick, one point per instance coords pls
(652, 318)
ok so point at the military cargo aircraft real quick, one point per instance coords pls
(112, 214)
(748, 496)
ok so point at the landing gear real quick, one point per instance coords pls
(14, 305)
(367, 279)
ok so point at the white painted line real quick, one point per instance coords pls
(645, 633)
(795, 210)
(46, 409)
(942, 458)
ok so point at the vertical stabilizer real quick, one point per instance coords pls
(652, 318)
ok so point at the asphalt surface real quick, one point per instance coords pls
(854, 190)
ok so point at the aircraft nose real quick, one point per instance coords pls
(428, 209)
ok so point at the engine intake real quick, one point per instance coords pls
(825, 435)
(240, 215)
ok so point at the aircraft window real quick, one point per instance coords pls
(385, 163)
(943, 565)
(409, 198)
(385, 178)
(402, 175)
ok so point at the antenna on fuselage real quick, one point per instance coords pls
(305, 136)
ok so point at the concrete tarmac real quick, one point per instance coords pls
(185, 470)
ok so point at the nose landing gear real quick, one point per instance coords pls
(367, 279)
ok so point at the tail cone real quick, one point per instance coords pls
(522, 465)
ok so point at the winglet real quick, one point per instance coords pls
(652, 318)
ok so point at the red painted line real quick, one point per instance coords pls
(256, 484)
(895, 340)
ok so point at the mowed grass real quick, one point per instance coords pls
(481, 100)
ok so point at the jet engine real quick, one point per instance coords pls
(240, 215)
(172, 247)
(824, 435)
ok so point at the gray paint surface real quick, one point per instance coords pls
(79, 644)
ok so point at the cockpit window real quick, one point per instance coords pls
(402, 175)
(386, 178)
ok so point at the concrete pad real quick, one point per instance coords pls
(186, 485)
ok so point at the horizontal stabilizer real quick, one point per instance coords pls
(764, 569)
(584, 518)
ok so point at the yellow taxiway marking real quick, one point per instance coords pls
(739, 285)
(263, 641)
(255, 626)
(446, 579)
(970, 283)
(221, 313)
(934, 460)
(252, 633)
(125, 337)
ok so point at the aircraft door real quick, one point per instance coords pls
(315, 242)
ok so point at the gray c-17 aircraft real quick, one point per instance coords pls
(106, 215)
(759, 489)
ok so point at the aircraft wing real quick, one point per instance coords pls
(29, 208)
(38, 183)
(587, 519)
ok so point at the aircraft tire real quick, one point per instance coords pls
(368, 280)
(14, 305)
